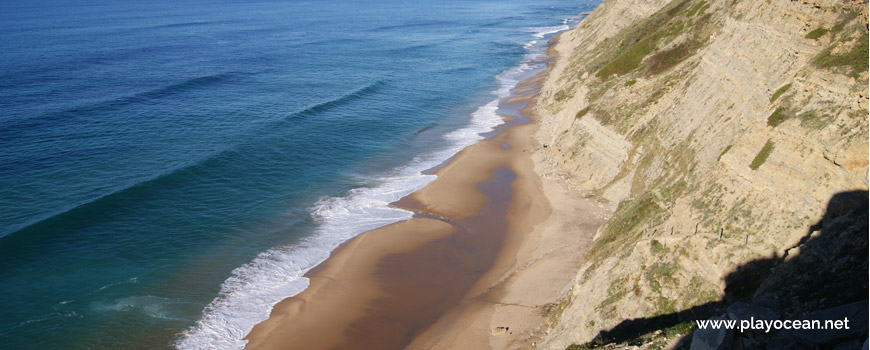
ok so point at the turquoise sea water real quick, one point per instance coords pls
(169, 169)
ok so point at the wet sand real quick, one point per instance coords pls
(442, 279)
(509, 306)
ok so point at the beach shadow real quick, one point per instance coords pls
(828, 267)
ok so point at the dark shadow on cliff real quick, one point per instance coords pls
(828, 267)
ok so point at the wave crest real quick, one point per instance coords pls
(342, 100)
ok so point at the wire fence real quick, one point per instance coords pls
(719, 235)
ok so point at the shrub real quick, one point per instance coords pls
(581, 113)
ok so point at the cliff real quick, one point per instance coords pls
(720, 133)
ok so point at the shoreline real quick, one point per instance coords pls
(509, 307)
(485, 248)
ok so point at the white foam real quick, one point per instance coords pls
(540, 32)
(249, 294)
(110, 285)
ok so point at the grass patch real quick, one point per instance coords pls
(563, 94)
(779, 92)
(859, 113)
(633, 213)
(778, 116)
(670, 193)
(666, 59)
(628, 216)
(664, 306)
(697, 9)
(581, 113)
(659, 345)
(554, 311)
(615, 292)
(728, 148)
(837, 28)
(603, 116)
(679, 329)
(627, 51)
(660, 273)
(855, 60)
(676, 28)
(663, 269)
(762, 155)
(657, 247)
(817, 33)
(814, 120)
(629, 60)
(624, 52)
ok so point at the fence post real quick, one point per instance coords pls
(672, 231)
(720, 233)
(696, 228)
(746, 240)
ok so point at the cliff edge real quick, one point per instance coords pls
(730, 140)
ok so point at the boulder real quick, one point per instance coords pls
(767, 300)
(855, 312)
(742, 311)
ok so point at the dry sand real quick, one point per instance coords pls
(494, 246)
(509, 306)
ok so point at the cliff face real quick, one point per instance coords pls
(691, 118)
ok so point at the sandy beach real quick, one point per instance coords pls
(495, 243)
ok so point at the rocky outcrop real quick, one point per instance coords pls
(718, 131)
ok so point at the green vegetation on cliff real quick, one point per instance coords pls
(644, 40)
(684, 105)
(779, 92)
(762, 155)
(778, 116)
(854, 60)
(816, 33)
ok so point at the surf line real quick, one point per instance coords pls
(385, 287)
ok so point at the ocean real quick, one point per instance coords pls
(170, 169)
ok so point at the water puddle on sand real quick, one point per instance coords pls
(421, 285)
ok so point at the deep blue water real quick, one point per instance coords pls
(169, 169)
